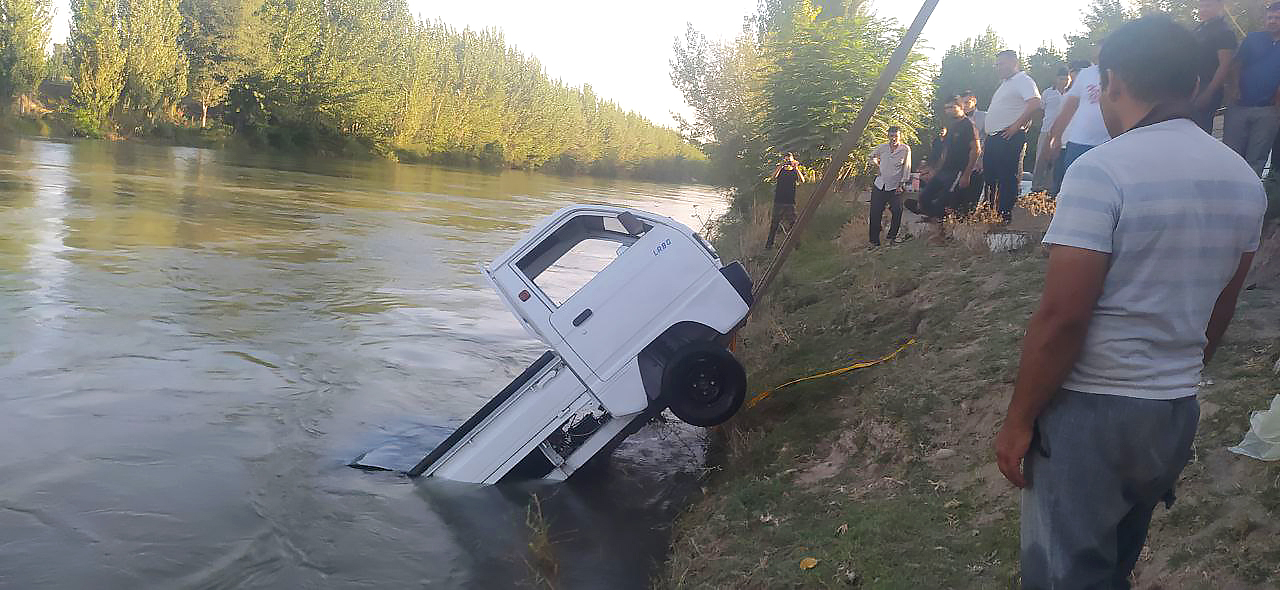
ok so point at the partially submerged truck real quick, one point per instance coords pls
(635, 309)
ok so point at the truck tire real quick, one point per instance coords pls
(703, 384)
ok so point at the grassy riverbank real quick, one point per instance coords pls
(885, 476)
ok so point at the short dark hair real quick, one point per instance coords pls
(1080, 64)
(1008, 53)
(894, 129)
(967, 94)
(1064, 72)
(1156, 57)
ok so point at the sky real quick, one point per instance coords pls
(622, 48)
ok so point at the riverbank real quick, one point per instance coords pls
(56, 125)
(885, 476)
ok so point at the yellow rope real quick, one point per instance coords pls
(854, 367)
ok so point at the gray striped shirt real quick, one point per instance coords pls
(1175, 209)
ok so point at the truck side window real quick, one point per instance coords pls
(566, 260)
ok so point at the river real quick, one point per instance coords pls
(194, 343)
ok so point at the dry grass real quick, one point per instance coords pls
(544, 566)
(970, 231)
(1038, 204)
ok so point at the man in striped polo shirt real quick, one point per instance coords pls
(1152, 239)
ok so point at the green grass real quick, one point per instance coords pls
(858, 450)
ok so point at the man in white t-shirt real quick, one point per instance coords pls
(1079, 127)
(1013, 105)
(1149, 249)
(1052, 97)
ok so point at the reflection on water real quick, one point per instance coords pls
(193, 343)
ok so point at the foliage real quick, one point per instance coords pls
(155, 71)
(793, 81)
(337, 76)
(98, 61)
(970, 65)
(815, 81)
(24, 32)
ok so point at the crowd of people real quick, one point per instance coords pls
(1156, 227)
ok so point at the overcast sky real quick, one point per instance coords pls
(622, 48)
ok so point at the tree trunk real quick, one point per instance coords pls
(204, 114)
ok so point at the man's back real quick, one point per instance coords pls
(1175, 209)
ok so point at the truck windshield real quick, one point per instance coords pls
(572, 255)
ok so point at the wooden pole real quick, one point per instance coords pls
(851, 140)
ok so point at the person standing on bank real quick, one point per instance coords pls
(1079, 127)
(1138, 293)
(1251, 122)
(893, 158)
(952, 169)
(1042, 178)
(787, 175)
(1218, 44)
(1013, 105)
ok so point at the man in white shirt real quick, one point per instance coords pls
(894, 161)
(1079, 127)
(1042, 178)
(1013, 105)
(1149, 248)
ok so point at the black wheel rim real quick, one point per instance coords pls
(705, 380)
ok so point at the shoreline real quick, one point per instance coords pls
(885, 476)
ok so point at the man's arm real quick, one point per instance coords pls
(774, 176)
(1225, 308)
(1219, 77)
(1069, 106)
(1033, 104)
(906, 168)
(975, 158)
(1054, 339)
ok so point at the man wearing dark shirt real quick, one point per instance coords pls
(1218, 44)
(1252, 121)
(947, 188)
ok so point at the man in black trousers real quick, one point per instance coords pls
(1014, 104)
(894, 161)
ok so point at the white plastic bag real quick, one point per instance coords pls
(1263, 439)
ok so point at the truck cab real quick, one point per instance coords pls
(634, 308)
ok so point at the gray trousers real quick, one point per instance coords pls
(1097, 467)
(1250, 131)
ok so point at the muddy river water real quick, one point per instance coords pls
(193, 344)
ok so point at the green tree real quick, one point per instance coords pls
(970, 65)
(98, 60)
(1099, 19)
(155, 71)
(24, 34)
(216, 38)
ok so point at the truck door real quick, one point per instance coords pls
(607, 286)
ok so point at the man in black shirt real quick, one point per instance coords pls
(952, 169)
(1218, 43)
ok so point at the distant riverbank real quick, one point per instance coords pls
(53, 124)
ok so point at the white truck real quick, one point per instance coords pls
(634, 308)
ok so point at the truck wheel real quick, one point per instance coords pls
(703, 384)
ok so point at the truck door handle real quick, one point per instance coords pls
(582, 317)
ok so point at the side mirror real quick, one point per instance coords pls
(631, 223)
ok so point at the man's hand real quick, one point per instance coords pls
(1012, 444)
(1010, 131)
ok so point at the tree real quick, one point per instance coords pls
(1043, 65)
(970, 65)
(98, 60)
(216, 38)
(24, 34)
(155, 72)
(1099, 19)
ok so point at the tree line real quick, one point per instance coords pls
(326, 75)
(792, 82)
